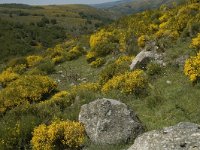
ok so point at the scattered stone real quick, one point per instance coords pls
(180, 62)
(183, 136)
(82, 79)
(60, 72)
(109, 121)
(58, 80)
(169, 82)
(72, 84)
(62, 75)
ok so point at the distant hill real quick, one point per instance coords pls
(111, 4)
(25, 28)
(125, 7)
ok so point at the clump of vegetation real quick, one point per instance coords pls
(60, 95)
(91, 56)
(129, 82)
(66, 51)
(117, 67)
(153, 68)
(192, 68)
(58, 135)
(74, 53)
(86, 86)
(17, 61)
(124, 59)
(142, 41)
(97, 63)
(26, 89)
(8, 76)
(196, 42)
(33, 60)
(47, 66)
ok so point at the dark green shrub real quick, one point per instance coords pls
(46, 66)
(153, 68)
(17, 61)
(97, 63)
(112, 69)
(74, 53)
(53, 21)
(45, 20)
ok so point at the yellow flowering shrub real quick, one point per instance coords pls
(60, 94)
(164, 17)
(164, 25)
(123, 59)
(62, 99)
(26, 89)
(192, 68)
(8, 76)
(74, 53)
(91, 56)
(142, 40)
(100, 37)
(167, 34)
(86, 86)
(117, 67)
(33, 60)
(196, 42)
(153, 27)
(97, 63)
(129, 82)
(58, 59)
(59, 134)
(57, 54)
(103, 43)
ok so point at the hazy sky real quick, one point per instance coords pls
(45, 2)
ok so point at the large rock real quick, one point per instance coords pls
(144, 57)
(110, 122)
(184, 136)
(147, 54)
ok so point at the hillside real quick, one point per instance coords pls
(26, 29)
(41, 93)
(111, 4)
(133, 6)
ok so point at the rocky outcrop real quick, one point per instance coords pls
(147, 54)
(183, 136)
(109, 121)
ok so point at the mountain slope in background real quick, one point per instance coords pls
(125, 7)
(111, 4)
(25, 29)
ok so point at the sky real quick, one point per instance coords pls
(50, 2)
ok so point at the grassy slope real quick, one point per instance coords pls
(165, 105)
(73, 72)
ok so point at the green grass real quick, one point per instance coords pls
(73, 72)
